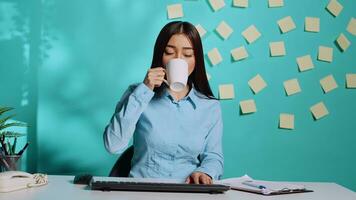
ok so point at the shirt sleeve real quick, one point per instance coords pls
(122, 125)
(212, 160)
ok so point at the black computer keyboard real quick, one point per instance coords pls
(157, 187)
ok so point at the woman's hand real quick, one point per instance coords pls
(154, 77)
(199, 178)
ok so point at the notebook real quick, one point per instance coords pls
(247, 184)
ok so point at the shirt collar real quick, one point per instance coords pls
(191, 96)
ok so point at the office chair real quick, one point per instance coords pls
(122, 166)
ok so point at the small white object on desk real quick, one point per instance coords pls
(17, 180)
(247, 184)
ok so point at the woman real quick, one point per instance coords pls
(175, 134)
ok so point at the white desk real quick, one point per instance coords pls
(62, 188)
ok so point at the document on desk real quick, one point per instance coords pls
(247, 184)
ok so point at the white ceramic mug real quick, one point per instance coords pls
(177, 74)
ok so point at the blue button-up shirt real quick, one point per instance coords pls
(172, 138)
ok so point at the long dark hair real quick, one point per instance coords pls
(198, 77)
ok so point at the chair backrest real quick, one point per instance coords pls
(122, 166)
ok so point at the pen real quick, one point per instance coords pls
(23, 149)
(249, 183)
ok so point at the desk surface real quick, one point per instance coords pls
(61, 187)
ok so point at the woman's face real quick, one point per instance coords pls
(179, 46)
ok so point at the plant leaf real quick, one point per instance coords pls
(9, 148)
(2, 121)
(14, 145)
(11, 134)
(12, 124)
(5, 109)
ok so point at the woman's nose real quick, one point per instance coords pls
(179, 55)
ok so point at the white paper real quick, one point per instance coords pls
(270, 186)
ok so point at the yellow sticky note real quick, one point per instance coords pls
(334, 7)
(350, 80)
(214, 56)
(325, 54)
(175, 11)
(216, 4)
(251, 34)
(257, 84)
(224, 30)
(328, 83)
(292, 86)
(351, 27)
(275, 3)
(208, 76)
(240, 3)
(319, 110)
(239, 53)
(201, 30)
(312, 24)
(305, 63)
(343, 42)
(277, 48)
(248, 106)
(286, 121)
(286, 24)
(226, 91)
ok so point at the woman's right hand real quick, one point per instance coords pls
(154, 77)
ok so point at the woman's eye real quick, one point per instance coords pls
(190, 55)
(168, 53)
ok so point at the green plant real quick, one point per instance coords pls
(6, 135)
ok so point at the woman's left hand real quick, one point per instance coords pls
(199, 178)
